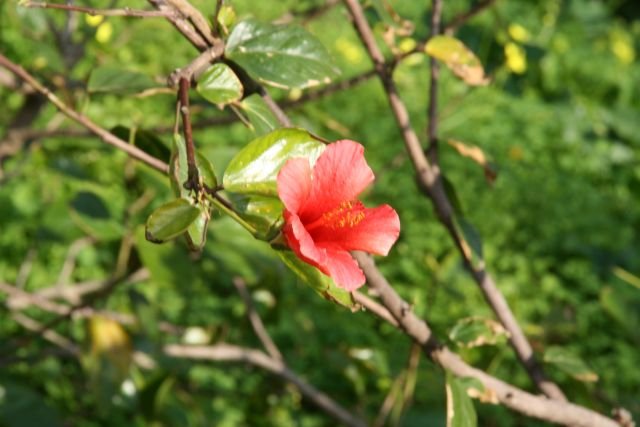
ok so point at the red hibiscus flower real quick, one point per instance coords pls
(323, 218)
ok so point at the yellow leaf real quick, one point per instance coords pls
(104, 32)
(477, 155)
(462, 61)
(518, 33)
(516, 58)
(93, 20)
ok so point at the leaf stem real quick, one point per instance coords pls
(192, 182)
(226, 207)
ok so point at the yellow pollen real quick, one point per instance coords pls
(347, 214)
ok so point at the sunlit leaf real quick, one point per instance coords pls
(475, 331)
(460, 409)
(170, 220)
(476, 154)
(320, 282)
(476, 390)
(282, 56)
(462, 61)
(263, 213)
(260, 116)
(197, 231)
(255, 168)
(118, 80)
(219, 85)
(568, 362)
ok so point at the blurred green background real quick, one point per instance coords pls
(560, 123)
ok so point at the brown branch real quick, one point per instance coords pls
(256, 321)
(459, 20)
(231, 353)
(183, 102)
(104, 12)
(194, 16)
(181, 23)
(198, 65)
(525, 403)
(430, 180)
(83, 120)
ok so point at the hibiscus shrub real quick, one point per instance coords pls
(236, 209)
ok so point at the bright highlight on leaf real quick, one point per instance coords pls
(323, 218)
(462, 61)
(219, 85)
(278, 55)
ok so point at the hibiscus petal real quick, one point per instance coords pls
(344, 270)
(375, 233)
(301, 243)
(294, 183)
(339, 175)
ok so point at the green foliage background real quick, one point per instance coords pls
(558, 223)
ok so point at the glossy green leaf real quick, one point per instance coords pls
(320, 282)
(220, 85)
(282, 56)
(462, 61)
(178, 168)
(263, 213)
(170, 220)
(476, 331)
(197, 231)
(118, 80)
(260, 116)
(460, 409)
(255, 168)
(571, 364)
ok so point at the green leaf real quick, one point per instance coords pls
(23, 407)
(571, 364)
(197, 231)
(260, 116)
(170, 220)
(118, 80)
(179, 169)
(476, 331)
(263, 213)
(460, 409)
(462, 61)
(90, 213)
(320, 282)
(255, 168)
(219, 85)
(146, 140)
(282, 56)
(471, 236)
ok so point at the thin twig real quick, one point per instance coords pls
(256, 321)
(430, 180)
(192, 182)
(198, 65)
(83, 120)
(181, 23)
(104, 12)
(459, 20)
(231, 353)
